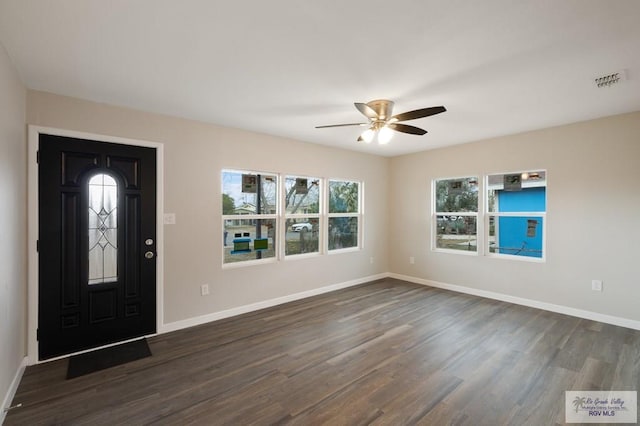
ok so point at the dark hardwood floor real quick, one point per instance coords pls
(387, 352)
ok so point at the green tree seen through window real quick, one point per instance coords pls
(343, 197)
(228, 204)
(460, 195)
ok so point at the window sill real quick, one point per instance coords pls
(516, 258)
(461, 252)
(343, 250)
(289, 257)
(246, 263)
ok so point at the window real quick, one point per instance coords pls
(345, 216)
(249, 215)
(516, 209)
(310, 216)
(455, 214)
(103, 229)
(302, 215)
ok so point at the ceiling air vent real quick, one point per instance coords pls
(610, 79)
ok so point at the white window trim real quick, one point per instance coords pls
(483, 217)
(283, 220)
(272, 216)
(359, 215)
(435, 214)
(488, 215)
(281, 216)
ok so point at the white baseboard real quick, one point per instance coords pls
(191, 322)
(13, 388)
(580, 313)
(566, 310)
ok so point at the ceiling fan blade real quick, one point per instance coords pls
(342, 125)
(405, 128)
(366, 110)
(418, 113)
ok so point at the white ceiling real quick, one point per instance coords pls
(282, 67)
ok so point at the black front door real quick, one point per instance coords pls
(97, 244)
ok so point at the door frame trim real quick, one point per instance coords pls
(32, 227)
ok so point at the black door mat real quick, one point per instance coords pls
(86, 363)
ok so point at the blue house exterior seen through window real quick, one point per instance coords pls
(521, 235)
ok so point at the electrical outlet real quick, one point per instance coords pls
(596, 285)
(204, 289)
(412, 260)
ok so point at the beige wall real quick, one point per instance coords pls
(195, 153)
(13, 211)
(593, 221)
(592, 200)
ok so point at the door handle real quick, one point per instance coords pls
(149, 255)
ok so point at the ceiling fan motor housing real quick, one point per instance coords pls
(382, 107)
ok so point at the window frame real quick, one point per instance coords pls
(488, 215)
(435, 214)
(262, 216)
(280, 217)
(286, 216)
(359, 215)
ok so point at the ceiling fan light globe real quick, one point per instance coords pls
(368, 135)
(384, 135)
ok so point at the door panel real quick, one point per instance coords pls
(70, 280)
(95, 285)
(132, 235)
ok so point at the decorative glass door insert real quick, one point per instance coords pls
(103, 229)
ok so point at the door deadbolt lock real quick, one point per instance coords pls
(148, 241)
(149, 255)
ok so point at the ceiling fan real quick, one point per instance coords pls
(381, 122)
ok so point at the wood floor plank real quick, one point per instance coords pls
(384, 353)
